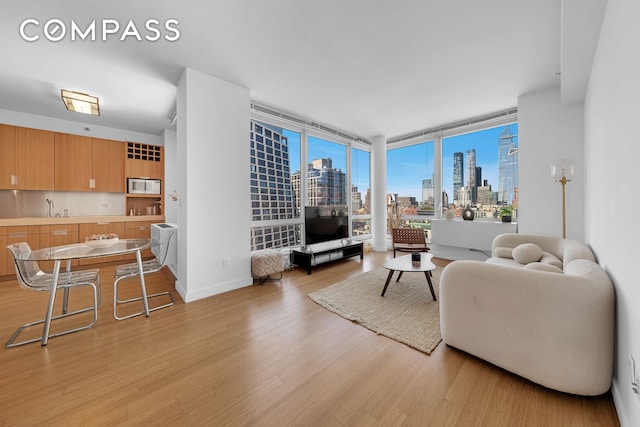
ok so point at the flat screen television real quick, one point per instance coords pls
(324, 223)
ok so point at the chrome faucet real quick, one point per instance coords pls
(49, 204)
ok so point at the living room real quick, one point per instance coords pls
(594, 130)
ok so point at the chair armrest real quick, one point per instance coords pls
(552, 328)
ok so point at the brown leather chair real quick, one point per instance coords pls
(409, 240)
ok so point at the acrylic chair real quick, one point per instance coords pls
(31, 277)
(129, 271)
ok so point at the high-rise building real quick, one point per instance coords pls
(507, 167)
(471, 183)
(486, 196)
(428, 192)
(367, 201)
(270, 183)
(458, 174)
(325, 185)
(356, 199)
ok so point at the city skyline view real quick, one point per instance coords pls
(408, 166)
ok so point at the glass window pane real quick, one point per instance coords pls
(278, 203)
(480, 170)
(326, 177)
(360, 182)
(410, 184)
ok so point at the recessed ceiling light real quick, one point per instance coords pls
(80, 102)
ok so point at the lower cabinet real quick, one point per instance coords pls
(17, 234)
(57, 235)
(3, 252)
(138, 230)
(86, 230)
(45, 236)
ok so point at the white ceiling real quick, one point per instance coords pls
(366, 67)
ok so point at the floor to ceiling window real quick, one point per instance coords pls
(360, 192)
(410, 185)
(458, 166)
(480, 170)
(326, 173)
(275, 151)
(283, 183)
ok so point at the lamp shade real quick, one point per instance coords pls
(563, 168)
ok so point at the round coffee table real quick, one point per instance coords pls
(404, 264)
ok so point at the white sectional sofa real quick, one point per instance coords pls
(550, 319)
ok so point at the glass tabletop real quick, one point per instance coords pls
(82, 250)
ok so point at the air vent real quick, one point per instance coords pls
(457, 125)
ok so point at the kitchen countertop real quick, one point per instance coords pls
(8, 222)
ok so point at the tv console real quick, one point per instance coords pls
(320, 253)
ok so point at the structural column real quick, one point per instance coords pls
(379, 193)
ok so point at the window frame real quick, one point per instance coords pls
(305, 132)
(436, 136)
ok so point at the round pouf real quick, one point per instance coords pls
(266, 262)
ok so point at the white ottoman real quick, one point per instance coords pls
(266, 262)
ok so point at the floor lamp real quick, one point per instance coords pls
(561, 171)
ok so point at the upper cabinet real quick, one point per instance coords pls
(33, 159)
(27, 158)
(83, 163)
(74, 162)
(108, 166)
(7, 156)
(144, 161)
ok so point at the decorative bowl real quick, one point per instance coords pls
(100, 242)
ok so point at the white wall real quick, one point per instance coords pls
(612, 153)
(213, 186)
(549, 131)
(170, 176)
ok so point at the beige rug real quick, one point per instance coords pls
(406, 313)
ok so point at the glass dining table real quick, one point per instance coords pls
(77, 251)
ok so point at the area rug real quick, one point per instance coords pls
(406, 313)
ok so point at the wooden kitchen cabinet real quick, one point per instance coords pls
(7, 157)
(17, 234)
(34, 156)
(57, 235)
(3, 252)
(83, 163)
(26, 158)
(86, 230)
(138, 230)
(144, 161)
(73, 162)
(108, 166)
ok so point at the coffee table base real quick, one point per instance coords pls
(426, 274)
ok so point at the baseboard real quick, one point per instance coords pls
(200, 292)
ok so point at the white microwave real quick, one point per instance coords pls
(143, 186)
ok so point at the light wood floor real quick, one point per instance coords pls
(261, 356)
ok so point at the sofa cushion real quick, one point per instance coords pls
(527, 253)
(508, 262)
(551, 259)
(504, 252)
(539, 266)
